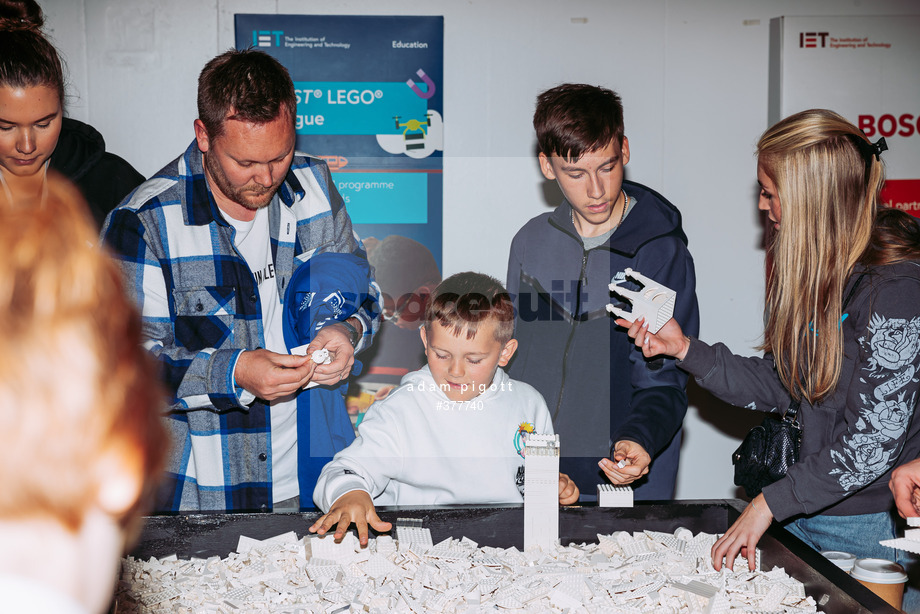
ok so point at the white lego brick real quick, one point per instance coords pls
(541, 491)
(774, 597)
(668, 541)
(441, 553)
(272, 544)
(535, 440)
(913, 521)
(320, 356)
(654, 302)
(468, 543)
(444, 544)
(902, 544)
(609, 495)
(697, 588)
(324, 547)
(238, 594)
(720, 604)
(152, 599)
(562, 601)
(384, 545)
(320, 569)
(913, 534)
(413, 536)
(263, 577)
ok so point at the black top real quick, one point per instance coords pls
(103, 178)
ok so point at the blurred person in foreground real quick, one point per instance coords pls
(80, 433)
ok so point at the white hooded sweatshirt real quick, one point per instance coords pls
(417, 447)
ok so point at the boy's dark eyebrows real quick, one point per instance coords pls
(570, 166)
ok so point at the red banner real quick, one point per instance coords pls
(903, 194)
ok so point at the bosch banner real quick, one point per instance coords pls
(865, 68)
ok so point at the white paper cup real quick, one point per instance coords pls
(843, 560)
(884, 578)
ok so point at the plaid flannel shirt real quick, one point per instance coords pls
(201, 309)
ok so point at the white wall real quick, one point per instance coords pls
(692, 73)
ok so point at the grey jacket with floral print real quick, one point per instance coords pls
(854, 438)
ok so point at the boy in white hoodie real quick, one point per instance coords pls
(454, 431)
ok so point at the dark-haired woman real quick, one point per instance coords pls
(35, 135)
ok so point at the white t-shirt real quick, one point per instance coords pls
(253, 240)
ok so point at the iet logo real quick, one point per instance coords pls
(263, 38)
(809, 40)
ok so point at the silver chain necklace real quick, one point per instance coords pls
(619, 221)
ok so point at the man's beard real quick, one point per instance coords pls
(252, 198)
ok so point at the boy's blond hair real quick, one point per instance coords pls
(465, 300)
(76, 386)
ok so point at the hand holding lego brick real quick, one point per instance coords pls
(568, 491)
(336, 340)
(629, 463)
(668, 341)
(321, 357)
(654, 302)
(270, 376)
(355, 507)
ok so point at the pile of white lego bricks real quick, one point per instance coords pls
(642, 572)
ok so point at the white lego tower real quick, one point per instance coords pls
(653, 302)
(541, 491)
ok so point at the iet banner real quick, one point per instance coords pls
(865, 68)
(370, 93)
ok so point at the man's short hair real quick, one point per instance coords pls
(76, 386)
(247, 85)
(465, 300)
(574, 119)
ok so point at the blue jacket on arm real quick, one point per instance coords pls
(328, 288)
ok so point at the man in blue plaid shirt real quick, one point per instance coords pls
(208, 245)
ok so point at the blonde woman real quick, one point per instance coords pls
(842, 336)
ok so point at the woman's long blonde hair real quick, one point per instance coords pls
(828, 185)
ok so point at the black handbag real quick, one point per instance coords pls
(767, 452)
